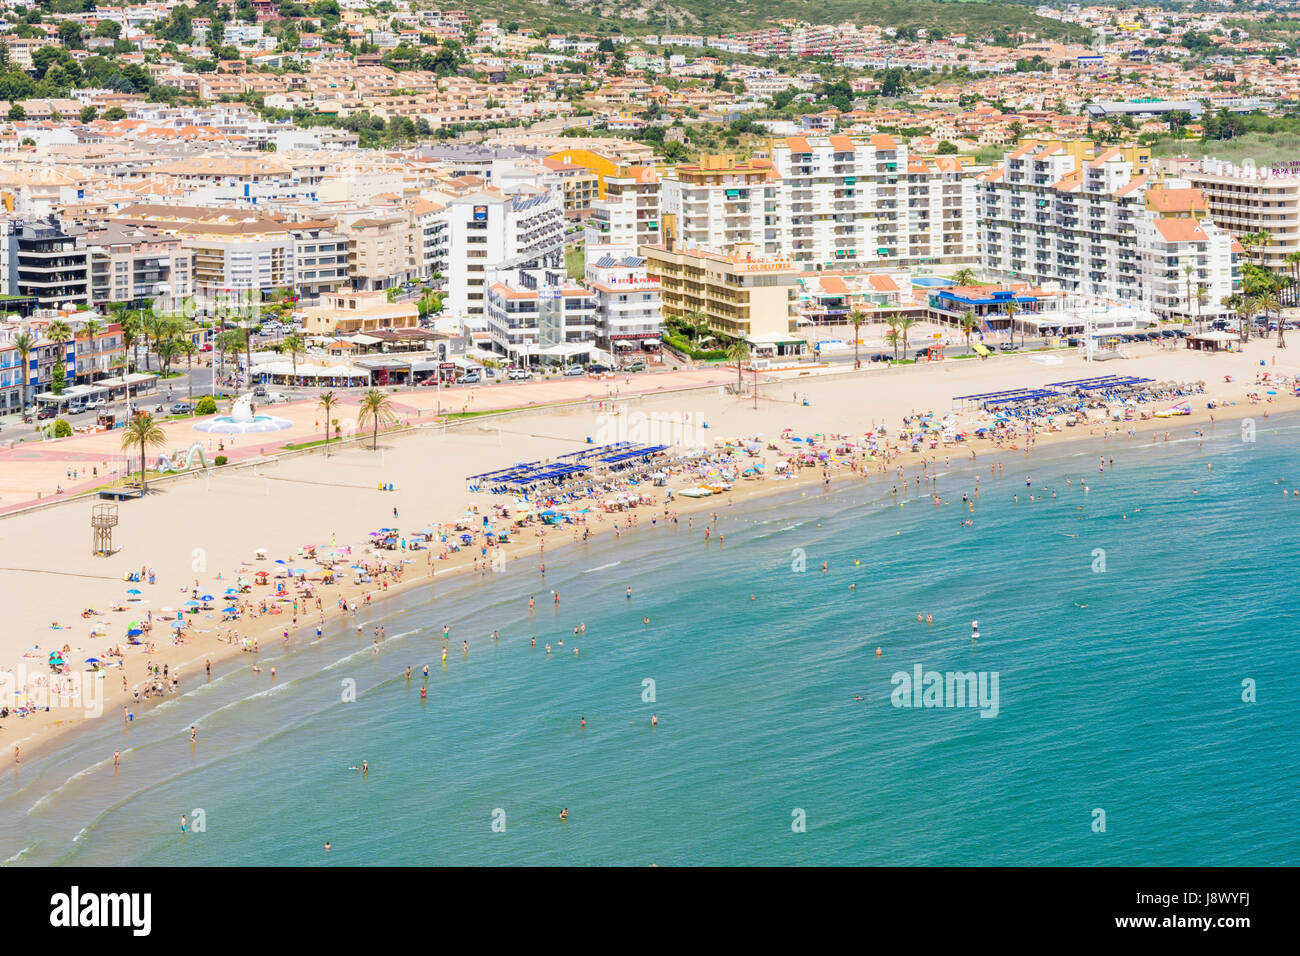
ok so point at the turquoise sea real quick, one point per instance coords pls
(1119, 689)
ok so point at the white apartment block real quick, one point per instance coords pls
(831, 202)
(851, 201)
(629, 215)
(629, 304)
(491, 230)
(1187, 267)
(1061, 214)
(539, 317)
(1246, 199)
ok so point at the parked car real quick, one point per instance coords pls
(274, 398)
(45, 411)
(94, 404)
(469, 378)
(179, 408)
(205, 347)
(1007, 347)
(879, 357)
(519, 375)
(259, 391)
(633, 367)
(575, 370)
(76, 408)
(597, 369)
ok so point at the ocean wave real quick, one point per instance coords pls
(603, 567)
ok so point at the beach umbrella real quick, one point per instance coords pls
(230, 610)
(232, 590)
(191, 603)
(281, 561)
(178, 624)
(134, 632)
(133, 591)
(206, 597)
(92, 660)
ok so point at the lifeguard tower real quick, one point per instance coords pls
(103, 519)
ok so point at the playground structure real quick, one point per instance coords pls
(182, 459)
(103, 519)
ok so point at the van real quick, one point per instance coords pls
(760, 363)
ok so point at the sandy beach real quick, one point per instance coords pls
(206, 527)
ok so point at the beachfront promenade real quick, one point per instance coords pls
(33, 471)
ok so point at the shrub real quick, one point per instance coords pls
(206, 405)
(220, 460)
(62, 429)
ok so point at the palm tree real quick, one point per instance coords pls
(892, 322)
(24, 342)
(187, 348)
(1268, 302)
(964, 276)
(1293, 259)
(893, 337)
(293, 344)
(737, 352)
(1187, 278)
(699, 324)
(132, 332)
(376, 408)
(59, 334)
(857, 317)
(905, 323)
(968, 325)
(1247, 309)
(166, 349)
(327, 402)
(150, 327)
(91, 328)
(1012, 309)
(143, 432)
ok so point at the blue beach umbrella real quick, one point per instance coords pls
(178, 624)
(133, 591)
(206, 597)
(134, 632)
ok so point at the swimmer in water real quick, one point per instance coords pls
(534, 642)
(654, 720)
(424, 692)
(879, 652)
(645, 620)
(564, 814)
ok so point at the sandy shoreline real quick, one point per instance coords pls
(201, 526)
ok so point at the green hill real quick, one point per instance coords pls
(713, 17)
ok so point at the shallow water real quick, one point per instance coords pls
(1131, 705)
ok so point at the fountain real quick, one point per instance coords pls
(242, 421)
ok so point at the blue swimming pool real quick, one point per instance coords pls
(931, 281)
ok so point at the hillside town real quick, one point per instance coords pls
(353, 194)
